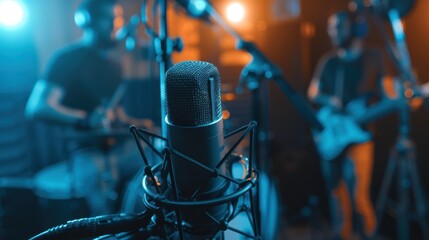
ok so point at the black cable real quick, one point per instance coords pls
(96, 226)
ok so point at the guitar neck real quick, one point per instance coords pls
(377, 111)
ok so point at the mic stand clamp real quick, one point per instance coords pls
(258, 68)
(167, 46)
(261, 67)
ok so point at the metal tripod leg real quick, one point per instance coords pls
(419, 199)
(403, 190)
(387, 180)
(402, 161)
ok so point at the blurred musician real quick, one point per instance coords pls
(81, 90)
(348, 80)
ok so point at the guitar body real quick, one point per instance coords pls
(340, 131)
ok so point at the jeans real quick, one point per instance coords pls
(348, 180)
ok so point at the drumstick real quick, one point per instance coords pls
(110, 105)
(117, 96)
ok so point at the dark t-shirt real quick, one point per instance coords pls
(351, 79)
(88, 78)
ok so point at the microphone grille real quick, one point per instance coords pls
(193, 93)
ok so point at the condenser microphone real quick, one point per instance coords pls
(195, 129)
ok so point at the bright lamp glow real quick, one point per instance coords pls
(235, 12)
(11, 13)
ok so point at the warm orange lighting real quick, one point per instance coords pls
(261, 26)
(235, 12)
(307, 29)
(188, 53)
(389, 87)
(227, 97)
(234, 58)
(409, 93)
(119, 21)
(416, 103)
(226, 114)
(392, 87)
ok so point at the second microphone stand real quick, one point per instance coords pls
(402, 160)
(402, 163)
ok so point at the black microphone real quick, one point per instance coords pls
(128, 33)
(195, 129)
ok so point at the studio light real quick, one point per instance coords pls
(11, 13)
(235, 12)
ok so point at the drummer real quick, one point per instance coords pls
(80, 90)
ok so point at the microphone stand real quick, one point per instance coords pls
(259, 68)
(164, 47)
(163, 57)
(402, 159)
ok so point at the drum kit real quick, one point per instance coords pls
(59, 199)
(57, 196)
(56, 183)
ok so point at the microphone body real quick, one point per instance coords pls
(195, 129)
(202, 143)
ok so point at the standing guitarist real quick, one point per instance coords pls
(350, 73)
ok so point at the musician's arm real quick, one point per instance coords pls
(315, 91)
(45, 104)
(122, 116)
(315, 95)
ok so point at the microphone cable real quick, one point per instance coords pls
(97, 226)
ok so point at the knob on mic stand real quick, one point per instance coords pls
(128, 33)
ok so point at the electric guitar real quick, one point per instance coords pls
(343, 128)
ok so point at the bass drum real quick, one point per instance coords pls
(59, 199)
(268, 205)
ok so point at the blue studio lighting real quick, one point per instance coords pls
(11, 13)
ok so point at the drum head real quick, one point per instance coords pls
(56, 182)
(59, 200)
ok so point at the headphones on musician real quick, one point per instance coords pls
(344, 26)
(360, 26)
(88, 11)
(82, 18)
